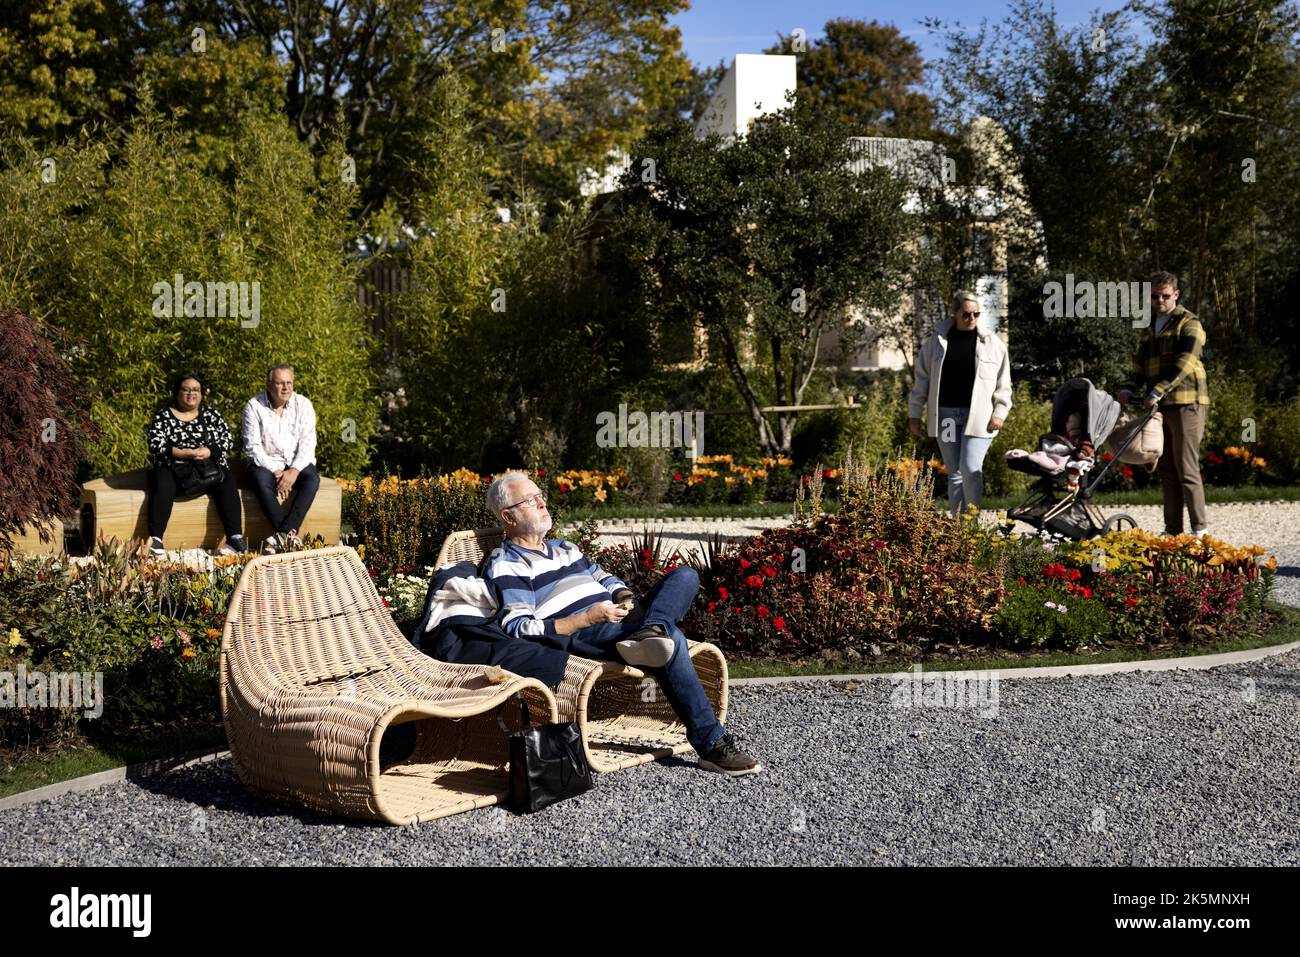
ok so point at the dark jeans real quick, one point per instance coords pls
(162, 494)
(304, 493)
(664, 604)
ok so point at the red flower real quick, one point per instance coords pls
(722, 594)
(762, 611)
(1130, 602)
(711, 605)
(754, 581)
(769, 571)
(735, 610)
(779, 623)
(744, 563)
(677, 476)
(541, 471)
(1022, 579)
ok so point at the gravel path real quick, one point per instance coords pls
(1196, 767)
(1146, 768)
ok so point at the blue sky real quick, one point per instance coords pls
(718, 29)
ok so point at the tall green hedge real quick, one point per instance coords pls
(127, 211)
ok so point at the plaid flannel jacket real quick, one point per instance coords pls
(1170, 363)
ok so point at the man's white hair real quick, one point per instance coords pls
(498, 493)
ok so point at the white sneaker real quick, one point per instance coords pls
(1200, 532)
(653, 651)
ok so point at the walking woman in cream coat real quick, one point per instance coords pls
(962, 390)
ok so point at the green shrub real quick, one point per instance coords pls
(1279, 440)
(875, 428)
(1233, 397)
(1049, 616)
(274, 218)
(402, 524)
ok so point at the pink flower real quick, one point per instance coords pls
(156, 641)
(184, 636)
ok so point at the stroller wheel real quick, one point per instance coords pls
(1119, 523)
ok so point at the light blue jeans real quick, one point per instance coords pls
(963, 457)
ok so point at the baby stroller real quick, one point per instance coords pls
(1084, 419)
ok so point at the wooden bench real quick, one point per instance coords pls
(115, 507)
(623, 720)
(28, 542)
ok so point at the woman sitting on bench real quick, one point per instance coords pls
(186, 440)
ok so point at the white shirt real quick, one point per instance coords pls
(280, 440)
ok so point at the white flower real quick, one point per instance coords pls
(1061, 609)
(1049, 604)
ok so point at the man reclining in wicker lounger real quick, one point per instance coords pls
(555, 595)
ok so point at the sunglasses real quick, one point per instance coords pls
(538, 499)
(970, 315)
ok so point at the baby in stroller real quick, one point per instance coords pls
(1084, 419)
(1081, 420)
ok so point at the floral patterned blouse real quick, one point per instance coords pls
(167, 432)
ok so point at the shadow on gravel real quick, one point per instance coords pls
(216, 786)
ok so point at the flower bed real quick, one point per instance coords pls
(891, 576)
(153, 629)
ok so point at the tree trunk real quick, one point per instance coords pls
(766, 441)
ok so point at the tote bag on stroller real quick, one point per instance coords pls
(1148, 443)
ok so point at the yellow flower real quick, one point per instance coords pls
(15, 638)
(600, 494)
(361, 552)
(187, 652)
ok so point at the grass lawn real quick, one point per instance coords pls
(24, 775)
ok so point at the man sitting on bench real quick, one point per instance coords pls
(553, 594)
(280, 445)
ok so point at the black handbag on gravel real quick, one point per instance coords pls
(193, 477)
(547, 764)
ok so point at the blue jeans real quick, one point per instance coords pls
(664, 604)
(303, 494)
(963, 457)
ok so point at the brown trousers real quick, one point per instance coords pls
(1180, 466)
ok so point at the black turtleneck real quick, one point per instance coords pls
(957, 376)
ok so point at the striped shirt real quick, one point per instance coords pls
(536, 587)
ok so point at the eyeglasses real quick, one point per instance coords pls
(538, 499)
(970, 315)
(1158, 296)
